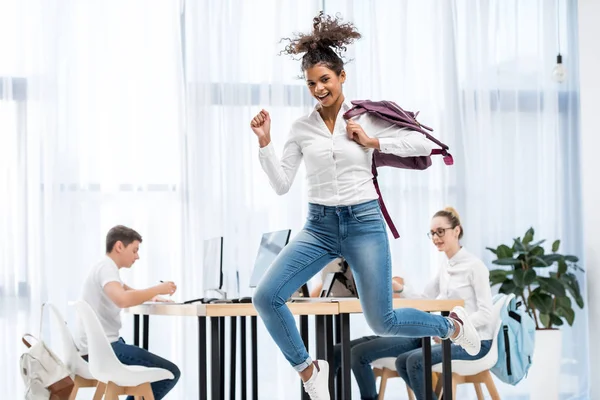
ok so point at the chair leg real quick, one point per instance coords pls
(147, 391)
(75, 389)
(488, 381)
(112, 392)
(100, 390)
(383, 384)
(478, 391)
(411, 394)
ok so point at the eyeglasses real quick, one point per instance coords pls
(440, 232)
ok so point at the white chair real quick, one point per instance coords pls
(72, 359)
(478, 371)
(385, 368)
(119, 378)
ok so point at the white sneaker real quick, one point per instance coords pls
(467, 338)
(317, 386)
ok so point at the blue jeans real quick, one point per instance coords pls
(410, 364)
(133, 355)
(365, 350)
(357, 233)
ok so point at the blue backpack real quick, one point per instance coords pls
(516, 341)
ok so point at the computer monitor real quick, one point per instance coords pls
(212, 266)
(271, 245)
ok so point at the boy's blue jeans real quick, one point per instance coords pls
(357, 233)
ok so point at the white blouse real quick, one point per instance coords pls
(338, 170)
(466, 277)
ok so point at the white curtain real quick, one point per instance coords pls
(137, 113)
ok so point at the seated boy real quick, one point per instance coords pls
(104, 291)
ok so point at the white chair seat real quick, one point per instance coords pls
(134, 375)
(386, 362)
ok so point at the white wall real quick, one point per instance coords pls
(589, 62)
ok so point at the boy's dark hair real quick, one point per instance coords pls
(122, 234)
(325, 44)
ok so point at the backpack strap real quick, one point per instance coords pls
(384, 211)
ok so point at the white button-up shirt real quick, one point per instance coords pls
(466, 277)
(338, 170)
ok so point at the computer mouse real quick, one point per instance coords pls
(245, 299)
(207, 300)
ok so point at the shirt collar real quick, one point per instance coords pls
(345, 107)
(461, 256)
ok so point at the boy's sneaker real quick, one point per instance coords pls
(317, 386)
(467, 338)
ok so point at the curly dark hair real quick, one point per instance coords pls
(325, 44)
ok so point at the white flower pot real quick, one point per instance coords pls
(544, 374)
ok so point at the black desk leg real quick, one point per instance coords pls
(202, 358)
(254, 339)
(215, 358)
(304, 336)
(447, 366)
(426, 345)
(338, 377)
(136, 330)
(320, 336)
(243, 361)
(222, 355)
(345, 342)
(233, 355)
(329, 354)
(146, 332)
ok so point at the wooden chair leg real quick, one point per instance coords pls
(478, 391)
(411, 394)
(100, 390)
(75, 389)
(383, 384)
(488, 381)
(112, 392)
(147, 390)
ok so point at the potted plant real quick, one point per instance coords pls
(548, 288)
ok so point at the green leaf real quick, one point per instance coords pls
(529, 277)
(536, 251)
(503, 251)
(542, 302)
(555, 246)
(563, 302)
(518, 246)
(538, 262)
(537, 243)
(507, 261)
(572, 285)
(553, 286)
(555, 320)
(571, 259)
(508, 287)
(518, 278)
(528, 236)
(552, 258)
(545, 320)
(498, 276)
(562, 267)
(492, 250)
(566, 313)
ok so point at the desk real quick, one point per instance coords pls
(348, 307)
(323, 312)
(217, 314)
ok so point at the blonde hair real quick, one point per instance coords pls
(453, 218)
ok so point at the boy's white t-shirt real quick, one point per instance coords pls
(93, 293)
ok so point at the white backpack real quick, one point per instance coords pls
(44, 374)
